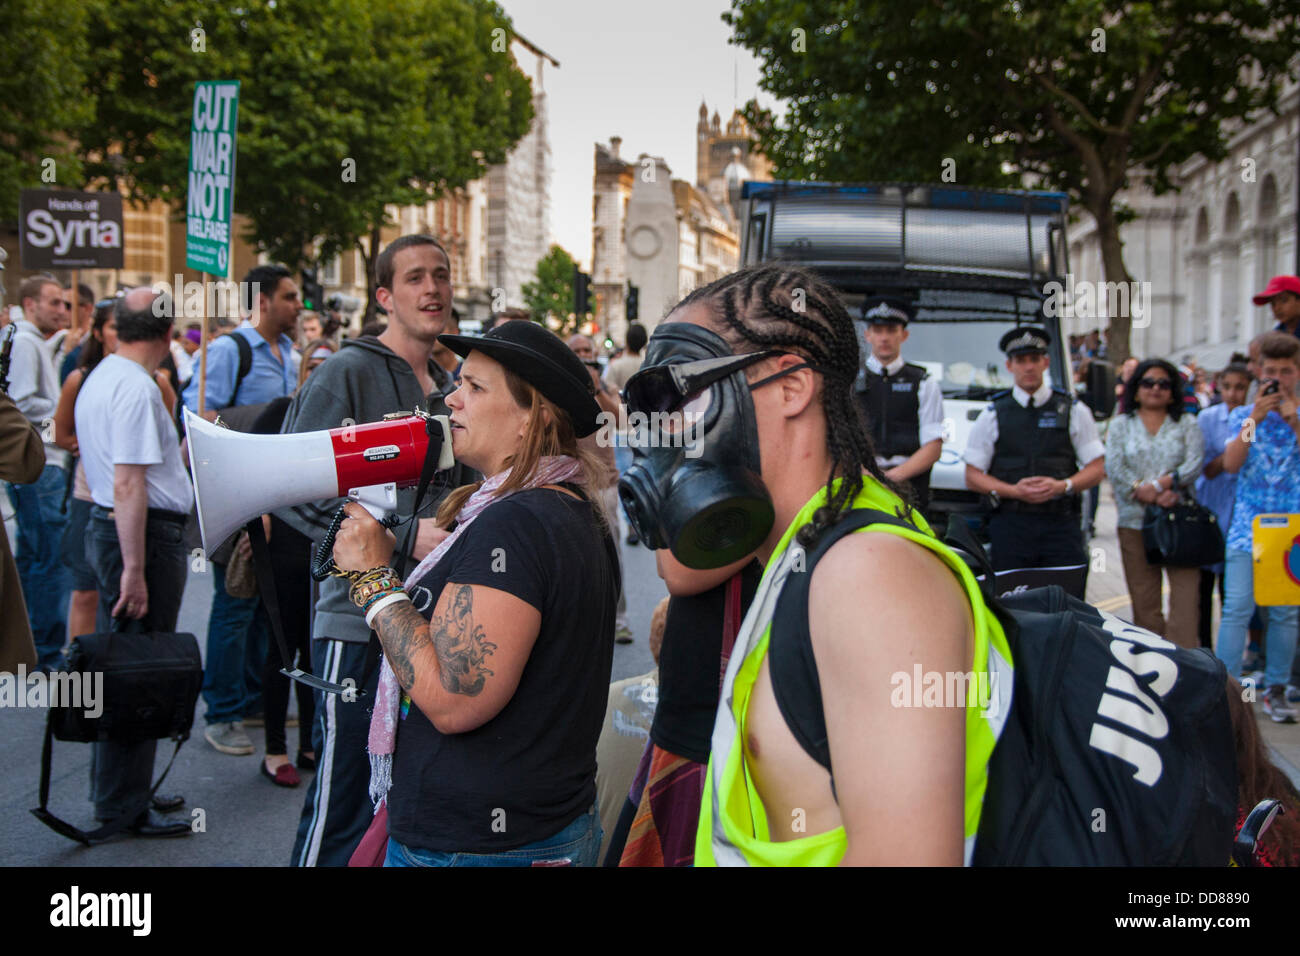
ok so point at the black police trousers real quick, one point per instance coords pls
(1026, 540)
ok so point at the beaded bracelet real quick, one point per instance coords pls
(380, 595)
(375, 581)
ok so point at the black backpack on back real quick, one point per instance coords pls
(1118, 749)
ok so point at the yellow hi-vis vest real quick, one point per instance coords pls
(733, 823)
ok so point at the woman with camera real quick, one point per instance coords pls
(1153, 455)
(498, 647)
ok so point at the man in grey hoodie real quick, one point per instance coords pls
(369, 378)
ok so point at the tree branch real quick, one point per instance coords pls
(1098, 184)
(1084, 113)
(1143, 87)
(1152, 157)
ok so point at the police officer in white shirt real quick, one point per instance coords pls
(901, 403)
(1032, 451)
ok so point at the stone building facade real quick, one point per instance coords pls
(611, 195)
(665, 235)
(1208, 248)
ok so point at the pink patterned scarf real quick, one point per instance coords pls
(388, 698)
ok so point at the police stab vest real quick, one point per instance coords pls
(1033, 441)
(891, 405)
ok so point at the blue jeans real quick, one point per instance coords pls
(46, 582)
(1238, 605)
(231, 685)
(578, 844)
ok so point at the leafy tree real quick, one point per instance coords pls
(43, 47)
(1083, 96)
(552, 294)
(346, 107)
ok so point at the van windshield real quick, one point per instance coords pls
(955, 336)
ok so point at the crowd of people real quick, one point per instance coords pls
(1234, 449)
(479, 634)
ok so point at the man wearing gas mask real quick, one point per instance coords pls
(760, 367)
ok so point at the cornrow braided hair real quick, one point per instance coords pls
(784, 307)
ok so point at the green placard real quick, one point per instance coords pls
(211, 194)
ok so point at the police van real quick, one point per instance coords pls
(976, 262)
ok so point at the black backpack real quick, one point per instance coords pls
(1118, 749)
(241, 372)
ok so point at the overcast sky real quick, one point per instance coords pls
(630, 68)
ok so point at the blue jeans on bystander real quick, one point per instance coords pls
(1238, 605)
(231, 682)
(47, 584)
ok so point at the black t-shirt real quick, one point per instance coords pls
(689, 668)
(531, 770)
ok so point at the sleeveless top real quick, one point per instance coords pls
(733, 828)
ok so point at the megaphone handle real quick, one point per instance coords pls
(322, 563)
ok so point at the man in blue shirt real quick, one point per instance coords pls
(236, 648)
(1283, 295)
(1264, 452)
(271, 315)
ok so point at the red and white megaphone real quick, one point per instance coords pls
(238, 476)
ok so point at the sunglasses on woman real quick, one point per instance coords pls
(664, 388)
(1163, 383)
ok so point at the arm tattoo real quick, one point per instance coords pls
(458, 643)
(460, 646)
(402, 631)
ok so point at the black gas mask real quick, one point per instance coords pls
(694, 486)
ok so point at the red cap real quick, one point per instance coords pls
(1278, 284)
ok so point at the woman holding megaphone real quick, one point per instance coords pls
(498, 646)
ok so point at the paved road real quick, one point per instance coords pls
(251, 822)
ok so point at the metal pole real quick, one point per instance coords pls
(203, 349)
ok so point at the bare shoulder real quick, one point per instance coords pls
(879, 555)
(878, 581)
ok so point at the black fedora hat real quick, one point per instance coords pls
(538, 356)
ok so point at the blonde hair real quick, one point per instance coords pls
(548, 431)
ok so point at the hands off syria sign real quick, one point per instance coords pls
(211, 194)
(63, 229)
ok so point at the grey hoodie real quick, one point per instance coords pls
(364, 382)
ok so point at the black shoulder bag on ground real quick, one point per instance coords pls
(1184, 536)
(151, 683)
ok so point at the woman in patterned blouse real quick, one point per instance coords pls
(1153, 452)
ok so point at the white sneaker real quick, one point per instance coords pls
(1276, 706)
(229, 738)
